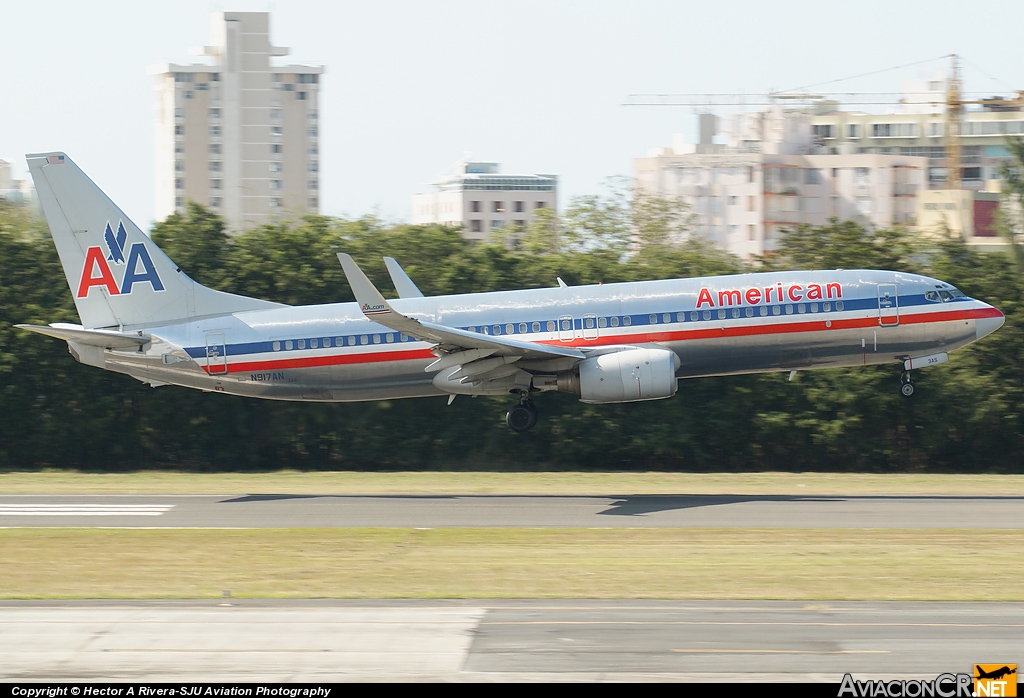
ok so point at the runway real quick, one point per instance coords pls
(276, 641)
(431, 511)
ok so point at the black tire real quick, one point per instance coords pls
(907, 389)
(521, 418)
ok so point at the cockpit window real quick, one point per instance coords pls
(943, 295)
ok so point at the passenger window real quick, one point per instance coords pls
(814, 307)
(536, 327)
(721, 314)
(763, 310)
(327, 341)
(776, 310)
(403, 338)
(839, 305)
(789, 310)
(615, 321)
(653, 319)
(551, 325)
(627, 320)
(522, 328)
(509, 329)
(313, 344)
(667, 317)
(565, 324)
(496, 329)
(277, 346)
(735, 312)
(602, 322)
(827, 307)
(706, 315)
(801, 308)
(389, 338)
(680, 317)
(749, 312)
(364, 339)
(288, 344)
(339, 341)
(376, 339)
(302, 344)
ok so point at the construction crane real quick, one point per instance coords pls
(954, 104)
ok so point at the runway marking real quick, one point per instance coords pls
(84, 509)
(763, 651)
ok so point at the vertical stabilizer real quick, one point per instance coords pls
(117, 275)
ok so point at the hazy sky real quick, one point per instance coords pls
(410, 86)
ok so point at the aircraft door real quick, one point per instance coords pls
(590, 330)
(888, 305)
(216, 353)
(566, 328)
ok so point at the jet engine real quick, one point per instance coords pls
(630, 375)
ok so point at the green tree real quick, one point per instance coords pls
(1010, 218)
(197, 242)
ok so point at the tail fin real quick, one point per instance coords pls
(118, 276)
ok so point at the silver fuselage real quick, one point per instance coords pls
(754, 323)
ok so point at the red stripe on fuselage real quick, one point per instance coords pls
(644, 338)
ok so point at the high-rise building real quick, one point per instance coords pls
(476, 196)
(16, 192)
(238, 134)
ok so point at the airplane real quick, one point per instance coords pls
(141, 315)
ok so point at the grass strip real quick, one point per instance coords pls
(512, 563)
(482, 482)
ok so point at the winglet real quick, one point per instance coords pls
(561, 283)
(367, 296)
(403, 284)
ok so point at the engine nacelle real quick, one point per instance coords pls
(624, 376)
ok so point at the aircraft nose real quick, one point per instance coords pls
(987, 325)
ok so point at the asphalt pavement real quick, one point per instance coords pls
(658, 511)
(330, 640)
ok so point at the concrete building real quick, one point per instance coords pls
(969, 215)
(916, 126)
(16, 192)
(476, 196)
(770, 175)
(238, 134)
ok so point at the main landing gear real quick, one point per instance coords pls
(906, 385)
(523, 416)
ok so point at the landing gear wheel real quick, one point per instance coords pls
(907, 387)
(522, 417)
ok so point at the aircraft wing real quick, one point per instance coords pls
(403, 284)
(448, 339)
(108, 339)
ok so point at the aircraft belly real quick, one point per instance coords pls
(826, 348)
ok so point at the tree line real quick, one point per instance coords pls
(967, 415)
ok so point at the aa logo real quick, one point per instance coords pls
(135, 267)
(995, 680)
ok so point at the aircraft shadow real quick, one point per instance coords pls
(635, 504)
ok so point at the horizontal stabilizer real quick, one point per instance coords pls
(107, 339)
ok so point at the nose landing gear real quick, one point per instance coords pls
(523, 416)
(906, 385)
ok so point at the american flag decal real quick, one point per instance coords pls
(55, 159)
